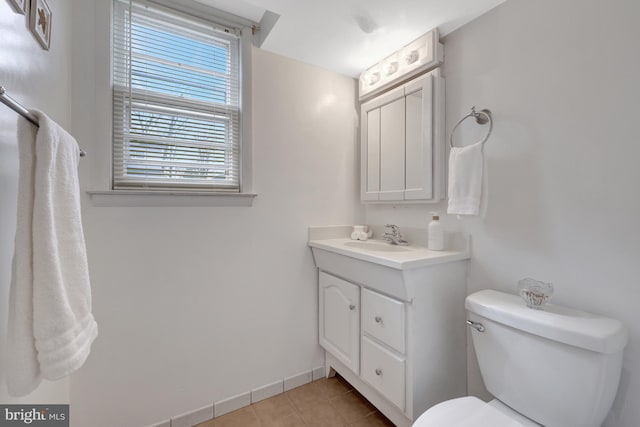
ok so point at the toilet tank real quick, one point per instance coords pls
(557, 366)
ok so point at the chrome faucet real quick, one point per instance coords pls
(394, 237)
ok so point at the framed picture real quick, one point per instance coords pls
(21, 6)
(40, 22)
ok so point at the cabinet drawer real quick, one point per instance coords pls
(383, 318)
(384, 371)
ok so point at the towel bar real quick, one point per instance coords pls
(15, 106)
(482, 117)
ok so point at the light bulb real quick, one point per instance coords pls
(373, 78)
(390, 68)
(412, 57)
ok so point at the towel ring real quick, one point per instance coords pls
(482, 117)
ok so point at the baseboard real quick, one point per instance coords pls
(192, 418)
(239, 401)
(266, 391)
(231, 404)
(298, 380)
(318, 373)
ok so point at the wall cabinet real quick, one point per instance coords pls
(402, 143)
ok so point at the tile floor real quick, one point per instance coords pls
(329, 402)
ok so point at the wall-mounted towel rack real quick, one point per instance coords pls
(482, 117)
(15, 106)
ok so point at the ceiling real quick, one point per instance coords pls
(348, 36)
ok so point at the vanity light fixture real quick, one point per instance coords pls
(412, 57)
(421, 55)
(390, 68)
(373, 78)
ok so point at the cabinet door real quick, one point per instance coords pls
(370, 154)
(392, 150)
(419, 140)
(339, 322)
(402, 146)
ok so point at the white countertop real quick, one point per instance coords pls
(398, 257)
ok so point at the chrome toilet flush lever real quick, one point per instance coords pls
(476, 325)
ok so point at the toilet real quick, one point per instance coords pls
(554, 367)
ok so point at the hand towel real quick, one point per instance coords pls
(465, 179)
(51, 326)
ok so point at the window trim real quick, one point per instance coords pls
(194, 196)
(136, 198)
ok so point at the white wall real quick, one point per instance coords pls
(37, 79)
(197, 304)
(178, 332)
(561, 79)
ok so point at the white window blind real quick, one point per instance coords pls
(176, 92)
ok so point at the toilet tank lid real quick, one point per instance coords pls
(578, 328)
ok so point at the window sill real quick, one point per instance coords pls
(139, 198)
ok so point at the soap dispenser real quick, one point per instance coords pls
(435, 234)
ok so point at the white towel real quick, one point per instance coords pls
(465, 179)
(51, 327)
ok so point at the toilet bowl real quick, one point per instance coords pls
(472, 412)
(556, 367)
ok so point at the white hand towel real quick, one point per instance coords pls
(465, 179)
(51, 327)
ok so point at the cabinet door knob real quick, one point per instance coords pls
(378, 372)
(378, 319)
(352, 307)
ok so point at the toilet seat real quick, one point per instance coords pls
(465, 412)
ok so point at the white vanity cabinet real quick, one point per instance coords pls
(395, 332)
(343, 308)
(392, 319)
(402, 143)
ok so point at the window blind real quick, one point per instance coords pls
(176, 92)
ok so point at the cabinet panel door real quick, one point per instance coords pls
(339, 319)
(419, 140)
(371, 155)
(402, 143)
(392, 150)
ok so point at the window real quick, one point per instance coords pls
(176, 101)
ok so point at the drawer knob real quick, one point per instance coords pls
(378, 372)
(378, 319)
(352, 307)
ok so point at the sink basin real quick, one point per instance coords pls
(376, 246)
